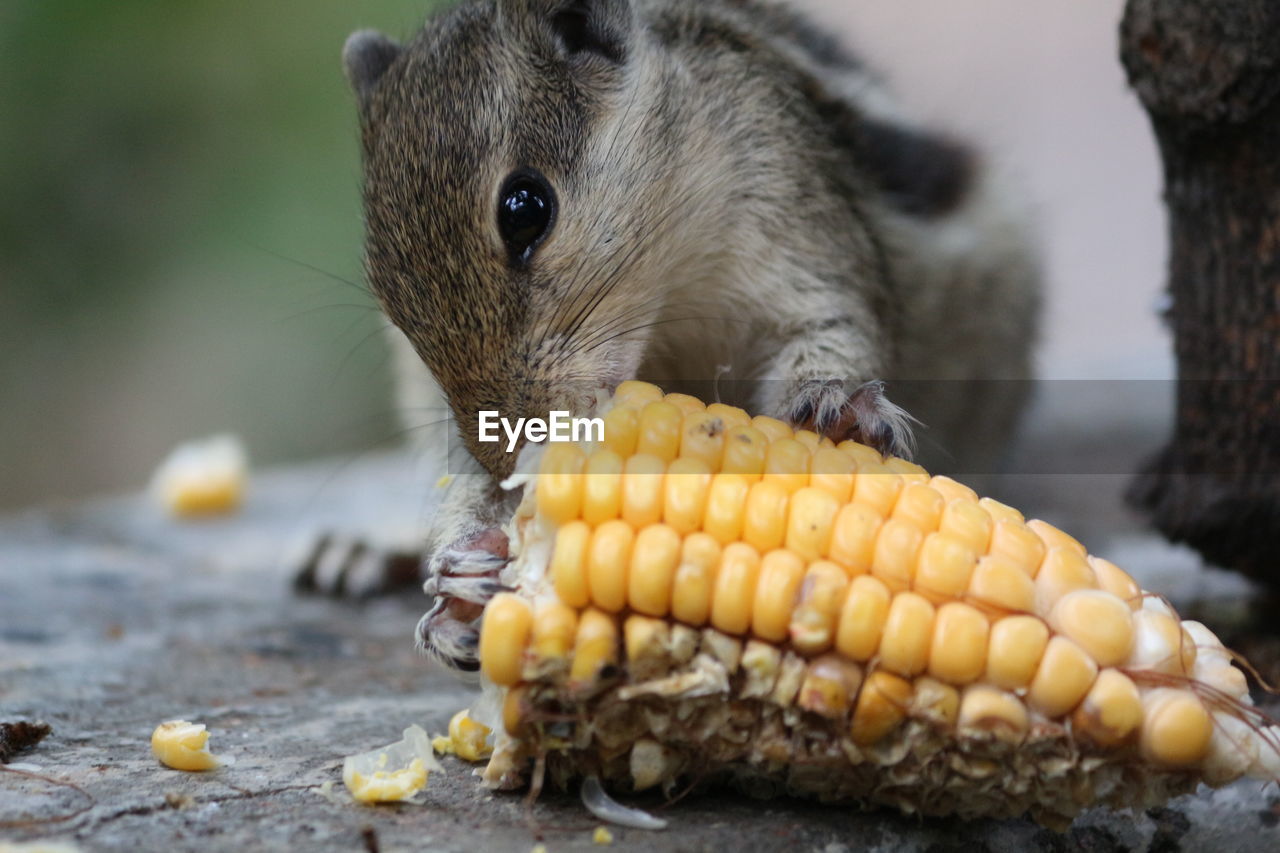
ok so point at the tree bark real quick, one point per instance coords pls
(1208, 73)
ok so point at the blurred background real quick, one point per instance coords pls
(180, 225)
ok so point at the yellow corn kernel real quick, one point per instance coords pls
(833, 472)
(1063, 678)
(1161, 644)
(817, 613)
(999, 511)
(735, 588)
(910, 471)
(862, 618)
(761, 663)
(810, 519)
(943, 568)
(861, 454)
(1111, 712)
(853, 537)
(1016, 541)
(829, 686)
(952, 490)
(731, 416)
(764, 525)
(569, 564)
(514, 709)
(1052, 537)
(504, 637)
(183, 746)
(958, 653)
(787, 463)
(654, 560)
(726, 507)
(999, 586)
(882, 704)
(1014, 650)
(919, 506)
(988, 710)
(773, 428)
(555, 624)
(685, 494)
(659, 432)
(894, 559)
(608, 557)
(877, 487)
(908, 634)
(646, 641)
(560, 482)
(744, 451)
(808, 438)
(687, 404)
(468, 739)
(1176, 728)
(642, 488)
(621, 430)
(602, 487)
(781, 572)
(1100, 623)
(1116, 581)
(1062, 571)
(967, 522)
(636, 394)
(695, 581)
(934, 701)
(702, 437)
(595, 646)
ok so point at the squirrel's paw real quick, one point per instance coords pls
(348, 567)
(864, 415)
(461, 577)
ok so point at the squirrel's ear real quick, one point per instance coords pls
(366, 57)
(601, 27)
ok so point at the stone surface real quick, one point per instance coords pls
(114, 618)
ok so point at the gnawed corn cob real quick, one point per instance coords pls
(708, 595)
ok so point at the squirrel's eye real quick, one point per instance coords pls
(526, 212)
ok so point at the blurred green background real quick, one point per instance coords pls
(169, 175)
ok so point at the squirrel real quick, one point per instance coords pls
(564, 194)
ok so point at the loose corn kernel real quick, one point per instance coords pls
(829, 685)
(853, 537)
(1014, 650)
(1063, 678)
(569, 563)
(1052, 537)
(703, 438)
(810, 519)
(654, 560)
(968, 522)
(642, 489)
(952, 491)
(686, 403)
(1062, 571)
(781, 572)
(764, 525)
(999, 511)
(504, 637)
(787, 464)
(908, 634)
(1100, 623)
(862, 618)
(560, 483)
(602, 487)
(999, 586)
(1116, 581)
(1016, 541)
(602, 836)
(636, 394)
(726, 507)
(817, 613)
(744, 451)
(774, 429)
(1112, 710)
(877, 487)
(935, 701)
(894, 558)
(988, 710)
(183, 746)
(735, 588)
(1176, 728)
(920, 506)
(608, 557)
(944, 568)
(882, 704)
(595, 647)
(659, 433)
(685, 493)
(467, 738)
(555, 624)
(958, 652)
(695, 580)
(861, 454)
(622, 430)
(732, 416)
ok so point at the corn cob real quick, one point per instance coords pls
(710, 596)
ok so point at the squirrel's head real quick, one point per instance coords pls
(521, 191)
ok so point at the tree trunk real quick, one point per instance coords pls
(1208, 73)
